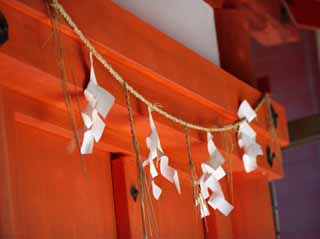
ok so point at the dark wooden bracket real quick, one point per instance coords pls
(4, 29)
(304, 131)
(134, 192)
(274, 116)
(270, 156)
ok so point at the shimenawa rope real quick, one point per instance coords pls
(59, 8)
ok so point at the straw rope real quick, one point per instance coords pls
(64, 86)
(196, 192)
(138, 161)
(59, 8)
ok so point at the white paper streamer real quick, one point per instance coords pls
(218, 173)
(87, 144)
(100, 102)
(246, 111)
(216, 159)
(171, 174)
(212, 172)
(217, 199)
(247, 141)
(204, 210)
(156, 190)
(247, 138)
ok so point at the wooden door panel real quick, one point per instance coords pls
(218, 225)
(177, 216)
(175, 213)
(49, 195)
(253, 214)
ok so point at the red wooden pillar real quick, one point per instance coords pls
(252, 216)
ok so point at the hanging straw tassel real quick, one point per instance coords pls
(147, 216)
(198, 199)
(64, 83)
(193, 175)
(229, 148)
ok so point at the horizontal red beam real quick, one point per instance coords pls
(162, 69)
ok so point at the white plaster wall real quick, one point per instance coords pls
(190, 22)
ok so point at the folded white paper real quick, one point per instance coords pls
(246, 111)
(246, 129)
(87, 116)
(203, 185)
(217, 199)
(97, 126)
(156, 190)
(218, 173)
(87, 144)
(153, 144)
(204, 210)
(169, 173)
(216, 159)
(99, 98)
(100, 102)
(211, 173)
(247, 138)
(247, 141)
(155, 151)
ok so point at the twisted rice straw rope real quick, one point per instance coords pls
(59, 8)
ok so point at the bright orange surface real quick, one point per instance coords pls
(43, 191)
